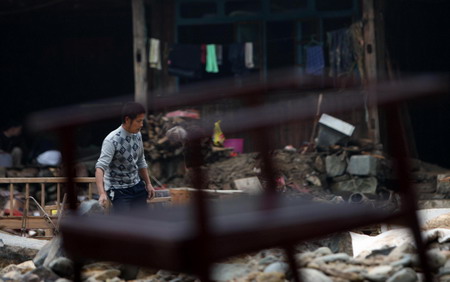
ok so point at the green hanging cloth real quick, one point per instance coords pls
(211, 59)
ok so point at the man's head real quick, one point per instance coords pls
(12, 128)
(133, 115)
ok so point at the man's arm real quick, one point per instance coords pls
(102, 164)
(143, 173)
(103, 199)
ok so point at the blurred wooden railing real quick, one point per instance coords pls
(49, 210)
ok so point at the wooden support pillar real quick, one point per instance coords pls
(140, 52)
(370, 61)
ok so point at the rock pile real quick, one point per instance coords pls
(399, 264)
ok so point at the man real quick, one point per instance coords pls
(11, 146)
(121, 171)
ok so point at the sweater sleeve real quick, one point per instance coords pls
(106, 155)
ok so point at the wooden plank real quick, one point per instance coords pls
(140, 52)
(370, 57)
(58, 195)
(11, 199)
(27, 197)
(160, 200)
(42, 194)
(33, 222)
(45, 180)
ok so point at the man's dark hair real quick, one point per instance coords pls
(9, 123)
(132, 110)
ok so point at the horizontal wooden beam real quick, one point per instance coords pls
(160, 200)
(32, 222)
(45, 180)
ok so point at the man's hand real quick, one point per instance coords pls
(151, 192)
(103, 200)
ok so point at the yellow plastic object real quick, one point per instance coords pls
(218, 137)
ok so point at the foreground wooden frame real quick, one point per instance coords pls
(191, 238)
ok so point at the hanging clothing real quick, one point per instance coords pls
(315, 63)
(184, 60)
(219, 54)
(211, 61)
(340, 52)
(249, 55)
(203, 57)
(154, 57)
(236, 57)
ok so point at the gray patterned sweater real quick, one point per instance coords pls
(121, 158)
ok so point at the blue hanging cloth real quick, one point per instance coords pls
(315, 63)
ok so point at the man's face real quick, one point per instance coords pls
(17, 131)
(134, 125)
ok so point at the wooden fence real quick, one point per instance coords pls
(50, 211)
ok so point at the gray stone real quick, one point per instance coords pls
(29, 277)
(90, 207)
(400, 251)
(379, 273)
(404, 275)
(303, 259)
(54, 252)
(363, 165)
(332, 258)
(341, 178)
(444, 271)
(267, 260)
(168, 275)
(436, 259)
(106, 274)
(335, 165)
(228, 271)
(280, 267)
(53, 247)
(9, 268)
(128, 272)
(313, 275)
(405, 261)
(178, 279)
(45, 273)
(187, 278)
(26, 266)
(115, 279)
(15, 255)
(13, 276)
(43, 252)
(323, 251)
(425, 187)
(21, 242)
(319, 164)
(366, 185)
(443, 183)
(62, 266)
